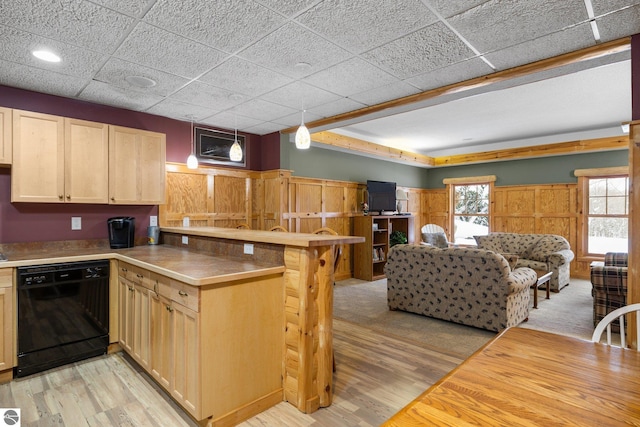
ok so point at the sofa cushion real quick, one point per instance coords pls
(512, 259)
(546, 245)
(489, 243)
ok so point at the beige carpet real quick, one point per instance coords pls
(568, 312)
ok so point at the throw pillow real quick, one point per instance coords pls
(439, 240)
(512, 259)
(489, 243)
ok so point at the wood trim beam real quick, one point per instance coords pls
(470, 180)
(571, 147)
(366, 147)
(578, 56)
(618, 170)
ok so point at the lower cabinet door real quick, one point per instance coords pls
(141, 319)
(162, 341)
(186, 363)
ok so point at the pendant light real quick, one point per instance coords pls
(235, 152)
(303, 138)
(192, 160)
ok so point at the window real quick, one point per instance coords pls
(470, 199)
(607, 214)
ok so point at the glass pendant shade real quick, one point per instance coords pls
(235, 152)
(192, 160)
(303, 138)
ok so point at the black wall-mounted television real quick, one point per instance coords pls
(382, 196)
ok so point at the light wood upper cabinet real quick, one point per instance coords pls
(136, 166)
(5, 136)
(58, 160)
(6, 319)
(37, 174)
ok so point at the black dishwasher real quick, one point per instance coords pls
(63, 314)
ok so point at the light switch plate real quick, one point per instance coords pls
(153, 220)
(76, 223)
(185, 240)
(248, 248)
(185, 221)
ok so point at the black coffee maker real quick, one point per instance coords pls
(122, 230)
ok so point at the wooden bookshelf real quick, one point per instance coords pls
(370, 257)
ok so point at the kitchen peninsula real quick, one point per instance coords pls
(250, 330)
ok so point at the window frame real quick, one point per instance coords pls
(584, 178)
(452, 184)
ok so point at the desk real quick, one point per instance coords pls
(528, 377)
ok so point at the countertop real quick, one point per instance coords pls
(190, 267)
(261, 236)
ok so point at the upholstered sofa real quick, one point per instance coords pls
(474, 287)
(538, 251)
(609, 281)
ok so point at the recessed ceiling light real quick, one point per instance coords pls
(303, 66)
(45, 55)
(140, 81)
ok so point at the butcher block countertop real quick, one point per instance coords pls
(190, 267)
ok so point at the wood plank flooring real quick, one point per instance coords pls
(376, 376)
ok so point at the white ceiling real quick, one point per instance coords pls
(234, 63)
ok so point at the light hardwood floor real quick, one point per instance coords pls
(376, 376)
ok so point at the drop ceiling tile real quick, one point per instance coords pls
(459, 72)
(103, 93)
(262, 110)
(263, 128)
(225, 25)
(291, 44)
(619, 24)
(75, 22)
(230, 120)
(448, 8)
(300, 95)
(288, 7)
(24, 77)
(601, 7)
(115, 72)
(361, 25)
(181, 110)
(427, 49)
(162, 50)
(385, 93)
(17, 46)
(128, 7)
(198, 93)
(566, 41)
(351, 76)
(340, 106)
(237, 75)
(491, 26)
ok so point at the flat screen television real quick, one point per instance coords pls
(382, 196)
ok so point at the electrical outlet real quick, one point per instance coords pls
(185, 240)
(76, 223)
(185, 221)
(153, 220)
(248, 248)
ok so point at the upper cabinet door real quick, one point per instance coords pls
(5, 136)
(86, 162)
(136, 166)
(37, 174)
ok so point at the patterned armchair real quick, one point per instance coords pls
(473, 287)
(609, 281)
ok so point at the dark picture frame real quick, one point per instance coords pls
(213, 147)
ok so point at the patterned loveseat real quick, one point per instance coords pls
(538, 251)
(474, 287)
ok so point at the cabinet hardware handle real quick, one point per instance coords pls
(113, 199)
(182, 293)
(155, 287)
(139, 276)
(60, 196)
(68, 196)
(130, 289)
(169, 308)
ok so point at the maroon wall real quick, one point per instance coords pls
(28, 222)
